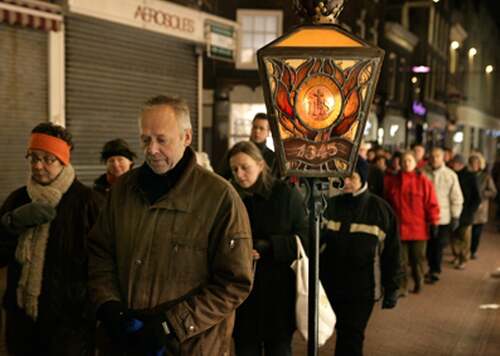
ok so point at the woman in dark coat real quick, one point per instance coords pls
(43, 242)
(488, 191)
(266, 320)
(119, 159)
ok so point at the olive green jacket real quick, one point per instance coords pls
(188, 254)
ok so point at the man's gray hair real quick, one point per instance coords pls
(179, 105)
(438, 149)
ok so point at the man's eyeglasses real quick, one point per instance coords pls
(34, 159)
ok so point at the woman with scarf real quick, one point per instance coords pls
(266, 320)
(43, 243)
(119, 159)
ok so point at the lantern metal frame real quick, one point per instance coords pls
(350, 48)
(364, 52)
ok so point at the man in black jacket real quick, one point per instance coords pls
(461, 237)
(259, 134)
(360, 260)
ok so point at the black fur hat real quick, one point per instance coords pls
(117, 147)
(362, 169)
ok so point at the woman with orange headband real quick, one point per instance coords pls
(42, 242)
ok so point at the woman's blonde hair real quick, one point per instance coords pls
(480, 157)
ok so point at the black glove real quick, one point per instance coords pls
(153, 336)
(454, 223)
(115, 319)
(263, 247)
(434, 231)
(28, 215)
(390, 299)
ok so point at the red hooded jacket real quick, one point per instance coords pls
(414, 201)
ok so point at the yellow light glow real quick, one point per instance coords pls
(319, 102)
(489, 68)
(472, 52)
(318, 37)
(454, 45)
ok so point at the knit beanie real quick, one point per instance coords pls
(117, 147)
(458, 158)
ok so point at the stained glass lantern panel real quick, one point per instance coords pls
(318, 96)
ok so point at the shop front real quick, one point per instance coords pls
(120, 53)
(29, 35)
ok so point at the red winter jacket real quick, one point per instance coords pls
(414, 200)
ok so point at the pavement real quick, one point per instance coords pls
(445, 319)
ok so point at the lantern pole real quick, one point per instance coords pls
(325, 11)
(316, 206)
(318, 81)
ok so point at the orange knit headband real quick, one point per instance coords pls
(50, 144)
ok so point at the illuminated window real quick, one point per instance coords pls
(257, 28)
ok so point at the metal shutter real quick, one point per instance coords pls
(23, 99)
(111, 70)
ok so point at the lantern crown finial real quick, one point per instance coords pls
(319, 11)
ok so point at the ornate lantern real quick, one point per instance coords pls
(319, 81)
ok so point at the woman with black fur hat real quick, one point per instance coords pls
(119, 159)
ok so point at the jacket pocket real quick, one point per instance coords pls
(188, 260)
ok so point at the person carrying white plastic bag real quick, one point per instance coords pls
(326, 316)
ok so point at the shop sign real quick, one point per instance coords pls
(221, 41)
(154, 15)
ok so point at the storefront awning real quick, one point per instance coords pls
(30, 13)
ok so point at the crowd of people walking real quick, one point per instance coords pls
(444, 198)
(170, 258)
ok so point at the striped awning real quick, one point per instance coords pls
(31, 13)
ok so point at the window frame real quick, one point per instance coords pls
(278, 14)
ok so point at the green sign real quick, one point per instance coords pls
(221, 42)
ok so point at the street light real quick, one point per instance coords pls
(454, 45)
(421, 69)
(472, 52)
(489, 69)
(319, 81)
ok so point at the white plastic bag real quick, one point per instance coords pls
(326, 316)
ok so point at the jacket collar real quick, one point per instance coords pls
(363, 189)
(355, 198)
(179, 197)
(258, 189)
(409, 174)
